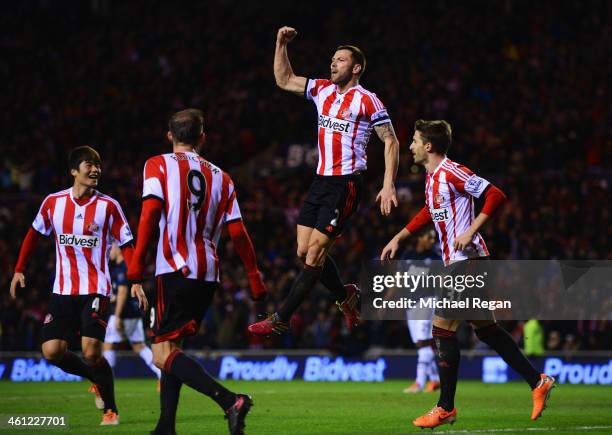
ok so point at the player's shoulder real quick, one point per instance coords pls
(366, 93)
(322, 83)
(456, 169)
(107, 198)
(370, 99)
(56, 195)
(316, 86)
(159, 158)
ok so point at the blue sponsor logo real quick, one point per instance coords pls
(494, 370)
(324, 369)
(279, 369)
(31, 370)
(579, 373)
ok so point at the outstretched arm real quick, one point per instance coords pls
(149, 218)
(387, 194)
(245, 250)
(27, 247)
(422, 218)
(283, 73)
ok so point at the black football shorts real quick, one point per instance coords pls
(178, 306)
(69, 316)
(331, 200)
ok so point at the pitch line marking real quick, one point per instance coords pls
(530, 429)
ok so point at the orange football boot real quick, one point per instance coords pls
(540, 395)
(436, 417)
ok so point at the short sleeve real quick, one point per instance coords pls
(232, 210)
(375, 110)
(313, 88)
(465, 181)
(120, 230)
(153, 178)
(43, 220)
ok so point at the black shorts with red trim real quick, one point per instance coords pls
(331, 200)
(178, 306)
(69, 316)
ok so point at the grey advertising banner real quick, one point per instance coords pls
(480, 289)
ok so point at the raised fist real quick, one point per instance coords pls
(285, 34)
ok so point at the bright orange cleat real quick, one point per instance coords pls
(540, 395)
(436, 417)
(432, 386)
(414, 388)
(99, 402)
(110, 418)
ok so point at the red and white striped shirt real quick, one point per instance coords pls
(83, 238)
(199, 198)
(449, 194)
(345, 124)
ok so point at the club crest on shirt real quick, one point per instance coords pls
(346, 114)
(93, 227)
(438, 200)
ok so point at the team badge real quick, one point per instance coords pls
(48, 318)
(93, 227)
(345, 114)
(438, 199)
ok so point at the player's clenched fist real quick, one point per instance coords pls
(285, 34)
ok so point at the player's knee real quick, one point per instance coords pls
(316, 254)
(92, 357)
(159, 360)
(53, 354)
(302, 253)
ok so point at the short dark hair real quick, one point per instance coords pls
(186, 126)
(438, 133)
(83, 154)
(358, 56)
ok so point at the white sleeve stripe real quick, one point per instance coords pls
(461, 175)
(375, 100)
(457, 169)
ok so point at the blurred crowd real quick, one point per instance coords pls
(525, 86)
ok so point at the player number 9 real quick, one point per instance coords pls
(199, 190)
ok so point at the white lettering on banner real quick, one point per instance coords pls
(279, 369)
(322, 369)
(494, 369)
(579, 373)
(28, 370)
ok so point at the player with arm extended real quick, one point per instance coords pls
(85, 223)
(347, 115)
(191, 201)
(125, 323)
(450, 190)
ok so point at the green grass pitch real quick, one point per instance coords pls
(320, 408)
